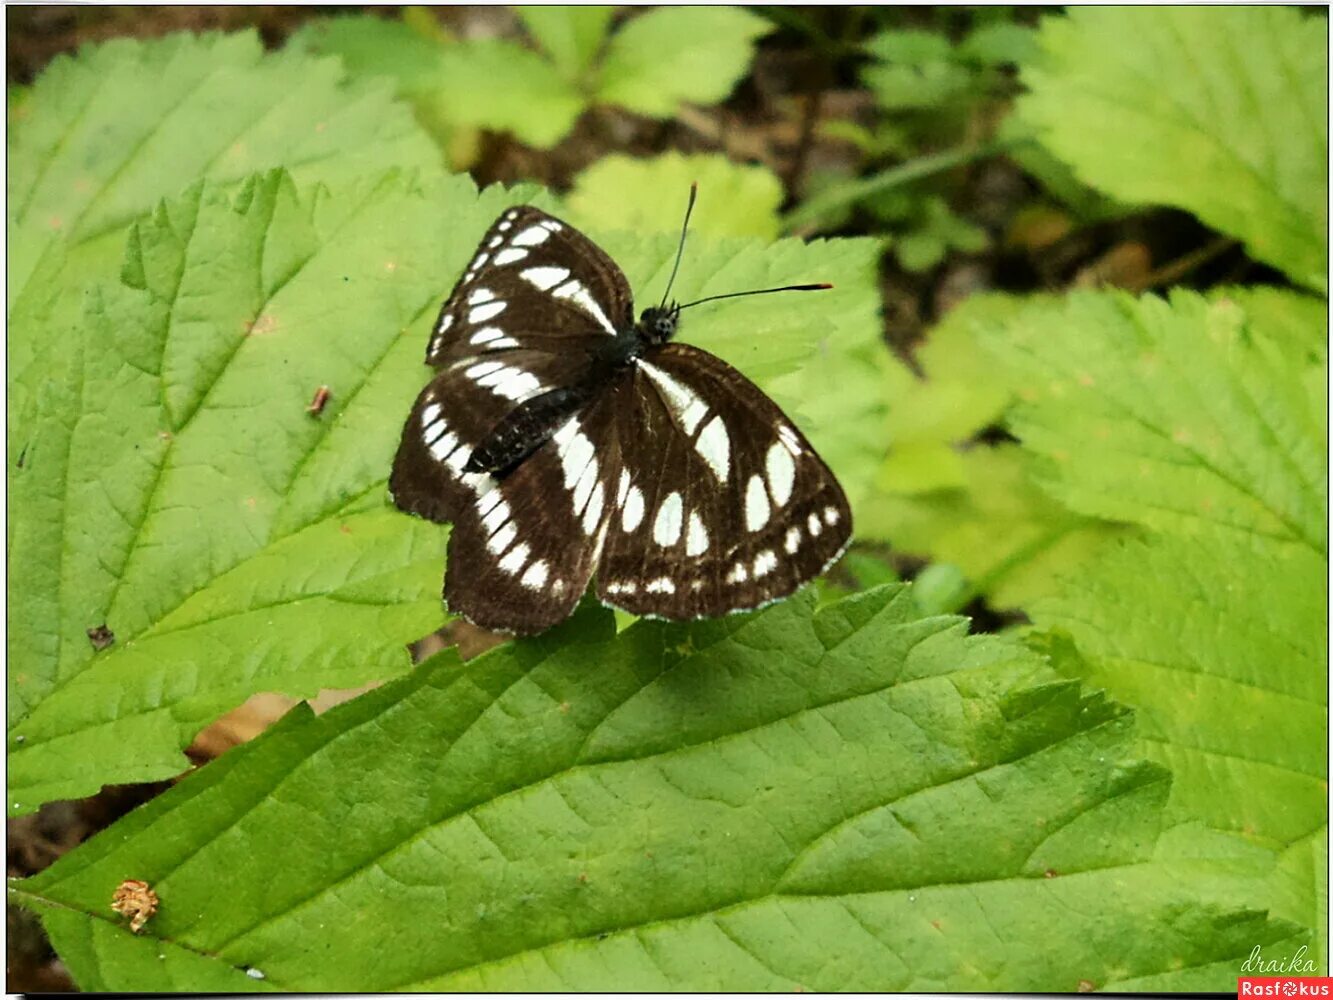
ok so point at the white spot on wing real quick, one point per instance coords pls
(446, 321)
(583, 488)
(497, 516)
(624, 488)
(687, 407)
(694, 413)
(633, 513)
(715, 447)
(480, 314)
(532, 236)
(756, 504)
(502, 539)
(575, 451)
(514, 561)
(480, 371)
(574, 291)
(480, 295)
(793, 540)
(781, 473)
(512, 383)
(814, 524)
(486, 334)
(830, 516)
(442, 448)
(545, 278)
(738, 574)
(593, 514)
(662, 585)
(764, 563)
(696, 541)
(535, 577)
(480, 259)
(509, 256)
(666, 528)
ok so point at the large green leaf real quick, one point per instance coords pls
(1222, 112)
(1172, 414)
(851, 799)
(174, 488)
(675, 54)
(100, 138)
(1205, 421)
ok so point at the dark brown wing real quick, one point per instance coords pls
(535, 283)
(521, 556)
(720, 503)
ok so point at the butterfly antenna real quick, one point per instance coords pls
(694, 191)
(760, 291)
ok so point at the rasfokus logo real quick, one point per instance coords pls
(1287, 976)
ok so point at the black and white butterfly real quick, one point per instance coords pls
(564, 441)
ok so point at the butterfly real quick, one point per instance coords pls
(566, 441)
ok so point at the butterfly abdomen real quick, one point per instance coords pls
(526, 428)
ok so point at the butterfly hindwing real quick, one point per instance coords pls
(720, 502)
(455, 413)
(521, 556)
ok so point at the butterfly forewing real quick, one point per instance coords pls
(720, 502)
(534, 283)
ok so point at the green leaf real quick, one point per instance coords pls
(1220, 641)
(1197, 416)
(854, 798)
(408, 51)
(910, 46)
(571, 36)
(372, 46)
(105, 135)
(1206, 422)
(502, 86)
(1223, 113)
(622, 192)
(1012, 542)
(175, 488)
(940, 495)
(915, 69)
(1202, 633)
(675, 54)
(1003, 43)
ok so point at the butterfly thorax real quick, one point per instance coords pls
(533, 422)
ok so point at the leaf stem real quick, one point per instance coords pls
(805, 218)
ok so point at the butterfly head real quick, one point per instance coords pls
(658, 324)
